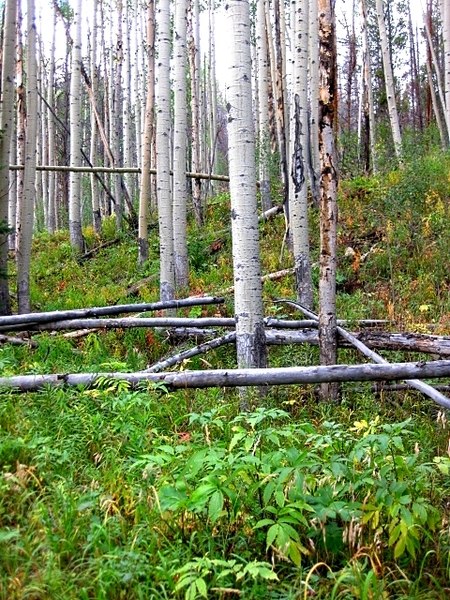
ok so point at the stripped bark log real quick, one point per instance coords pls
(16, 341)
(200, 349)
(78, 313)
(243, 377)
(426, 389)
(404, 342)
(130, 322)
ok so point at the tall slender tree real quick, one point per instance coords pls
(163, 129)
(145, 189)
(6, 127)
(76, 234)
(250, 336)
(299, 138)
(389, 82)
(179, 148)
(26, 206)
(328, 191)
(263, 106)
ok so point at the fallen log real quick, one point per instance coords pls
(191, 352)
(281, 337)
(426, 389)
(438, 345)
(78, 313)
(407, 342)
(16, 341)
(243, 377)
(129, 322)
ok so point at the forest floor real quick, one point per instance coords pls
(111, 492)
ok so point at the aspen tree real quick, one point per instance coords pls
(328, 192)
(250, 336)
(6, 127)
(389, 82)
(263, 107)
(367, 86)
(145, 189)
(194, 67)
(313, 60)
(179, 148)
(96, 215)
(76, 235)
(298, 187)
(445, 15)
(162, 106)
(26, 207)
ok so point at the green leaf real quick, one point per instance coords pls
(215, 506)
(263, 523)
(273, 533)
(400, 546)
(201, 587)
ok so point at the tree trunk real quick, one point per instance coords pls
(194, 67)
(163, 98)
(96, 215)
(26, 216)
(6, 127)
(250, 339)
(179, 148)
(263, 107)
(76, 234)
(298, 188)
(368, 93)
(313, 55)
(445, 15)
(328, 189)
(146, 188)
(389, 83)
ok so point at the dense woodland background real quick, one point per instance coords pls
(236, 154)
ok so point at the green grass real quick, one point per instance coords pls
(112, 493)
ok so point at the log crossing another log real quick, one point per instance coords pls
(98, 311)
(426, 389)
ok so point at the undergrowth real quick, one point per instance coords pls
(111, 492)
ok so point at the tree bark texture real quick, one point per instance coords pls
(328, 191)
(26, 206)
(76, 234)
(179, 203)
(251, 348)
(163, 123)
(6, 126)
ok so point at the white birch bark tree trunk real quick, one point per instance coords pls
(434, 60)
(298, 188)
(75, 229)
(445, 14)
(146, 180)
(313, 58)
(250, 337)
(163, 187)
(26, 209)
(194, 66)
(180, 148)
(6, 127)
(263, 107)
(96, 215)
(389, 83)
(328, 192)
